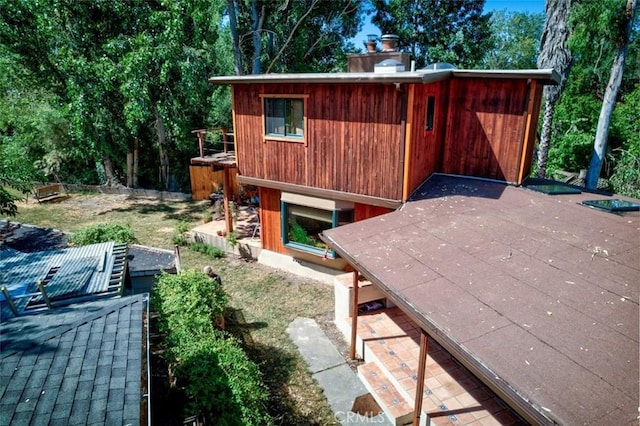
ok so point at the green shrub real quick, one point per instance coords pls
(232, 239)
(179, 237)
(183, 227)
(188, 303)
(215, 252)
(223, 383)
(220, 380)
(102, 233)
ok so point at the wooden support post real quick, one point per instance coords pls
(224, 138)
(354, 316)
(226, 190)
(7, 296)
(44, 294)
(176, 251)
(201, 142)
(422, 364)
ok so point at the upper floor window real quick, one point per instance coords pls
(284, 117)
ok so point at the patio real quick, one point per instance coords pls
(246, 227)
(452, 395)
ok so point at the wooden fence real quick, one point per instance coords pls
(204, 181)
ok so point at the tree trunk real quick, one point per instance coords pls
(129, 169)
(163, 172)
(610, 95)
(233, 26)
(553, 54)
(545, 137)
(258, 22)
(109, 175)
(136, 151)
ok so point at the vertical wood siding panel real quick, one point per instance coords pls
(353, 138)
(427, 145)
(270, 220)
(365, 211)
(484, 130)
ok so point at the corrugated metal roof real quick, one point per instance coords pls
(66, 273)
(548, 76)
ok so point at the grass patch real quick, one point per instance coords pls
(211, 251)
(265, 299)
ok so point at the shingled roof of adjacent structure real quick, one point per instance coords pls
(535, 293)
(85, 363)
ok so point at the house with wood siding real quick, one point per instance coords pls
(328, 149)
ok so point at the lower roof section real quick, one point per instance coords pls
(536, 294)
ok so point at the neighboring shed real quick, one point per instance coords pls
(146, 263)
(536, 294)
(85, 363)
(54, 278)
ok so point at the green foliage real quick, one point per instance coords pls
(102, 233)
(432, 31)
(8, 202)
(209, 250)
(179, 237)
(217, 376)
(299, 235)
(625, 179)
(515, 40)
(232, 239)
(571, 152)
(594, 27)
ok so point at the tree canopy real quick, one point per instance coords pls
(453, 31)
(86, 85)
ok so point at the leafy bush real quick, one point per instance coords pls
(224, 384)
(179, 237)
(215, 252)
(220, 380)
(102, 233)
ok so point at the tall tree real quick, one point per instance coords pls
(622, 34)
(515, 40)
(554, 53)
(293, 35)
(454, 31)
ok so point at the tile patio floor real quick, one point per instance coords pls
(452, 394)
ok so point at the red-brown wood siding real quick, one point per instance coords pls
(531, 129)
(365, 211)
(485, 126)
(425, 146)
(270, 220)
(353, 138)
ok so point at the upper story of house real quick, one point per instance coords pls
(374, 137)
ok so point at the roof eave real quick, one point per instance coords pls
(547, 76)
(336, 78)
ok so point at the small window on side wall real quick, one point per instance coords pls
(284, 118)
(431, 111)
